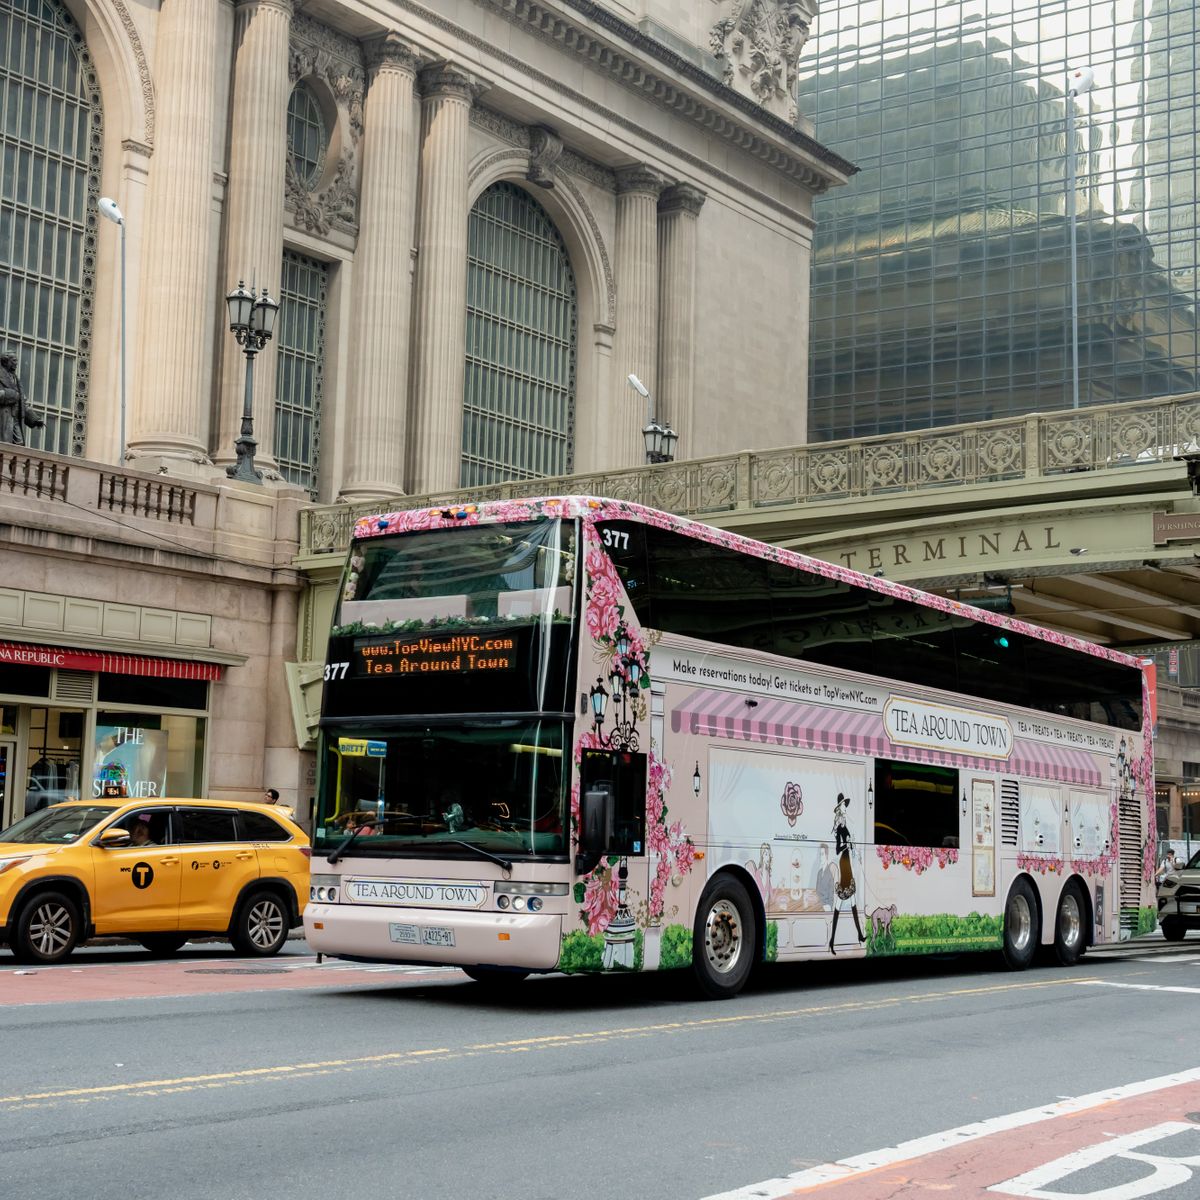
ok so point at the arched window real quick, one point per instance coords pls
(308, 137)
(519, 398)
(50, 133)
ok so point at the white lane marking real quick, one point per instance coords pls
(1169, 959)
(1136, 987)
(861, 1164)
(1167, 1171)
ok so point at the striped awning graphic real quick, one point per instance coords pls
(27, 655)
(738, 717)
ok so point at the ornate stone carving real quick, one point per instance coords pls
(445, 79)
(144, 77)
(639, 178)
(391, 50)
(758, 42)
(682, 197)
(545, 149)
(338, 65)
(336, 204)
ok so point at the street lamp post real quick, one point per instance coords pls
(659, 439)
(252, 322)
(110, 210)
(1078, 82)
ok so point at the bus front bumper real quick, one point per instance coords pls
(523, 941)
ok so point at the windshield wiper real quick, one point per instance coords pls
(342, 846)
(500, 862)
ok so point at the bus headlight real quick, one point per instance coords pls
(324, 888)
(535, 904)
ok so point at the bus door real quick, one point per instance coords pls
(625, 772)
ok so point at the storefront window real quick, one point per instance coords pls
(147, 754)
(55, 741)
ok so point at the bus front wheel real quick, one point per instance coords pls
(1020, 926)
(723, 939)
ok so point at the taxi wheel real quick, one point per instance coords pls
(162, 944)
(47, 929)
(261, 925)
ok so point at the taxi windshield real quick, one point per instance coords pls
(59, 825)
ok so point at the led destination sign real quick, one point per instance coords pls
(462, 654)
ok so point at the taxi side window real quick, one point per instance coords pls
(146, 827)
(258, 827)
(206, 825)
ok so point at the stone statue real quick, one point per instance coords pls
(15, 414)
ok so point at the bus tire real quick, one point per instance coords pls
(1173, 929)
(1070, 925)
(494, 977)
(1020, 926)
(723, 939)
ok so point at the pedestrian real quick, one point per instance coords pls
(1169, 864)
(270, 796)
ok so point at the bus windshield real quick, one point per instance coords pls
(492, 783)
(476, 575)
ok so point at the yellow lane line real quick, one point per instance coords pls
(544, 1042)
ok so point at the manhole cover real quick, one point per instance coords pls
(237, 971)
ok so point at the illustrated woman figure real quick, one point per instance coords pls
(845, 887)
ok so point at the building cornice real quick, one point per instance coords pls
(615, 48)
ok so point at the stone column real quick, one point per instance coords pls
(254, 209)
(382, 290)
(636, 348)
(441, 294)
(172, 376)
(678, 208)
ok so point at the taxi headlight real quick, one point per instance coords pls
(16, 861)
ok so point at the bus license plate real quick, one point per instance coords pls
(414, 935)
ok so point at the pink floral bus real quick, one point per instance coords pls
(575, 734)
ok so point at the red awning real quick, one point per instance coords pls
(23, 654)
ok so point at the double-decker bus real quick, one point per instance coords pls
(578, 734)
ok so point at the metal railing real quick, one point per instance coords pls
(1107, 437)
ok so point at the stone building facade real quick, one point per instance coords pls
(479, 216)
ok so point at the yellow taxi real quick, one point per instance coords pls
(157, 871)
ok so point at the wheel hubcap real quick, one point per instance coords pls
(723, 937)
(1070, 921)
(50, 930)
(265, 924)
(1020, 922)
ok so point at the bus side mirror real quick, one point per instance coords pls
(597, 808)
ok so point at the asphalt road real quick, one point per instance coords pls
(210, 1076)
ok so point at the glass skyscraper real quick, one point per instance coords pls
(941, 274)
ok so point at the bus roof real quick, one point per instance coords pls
(596, 508)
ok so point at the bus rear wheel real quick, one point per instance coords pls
(723, 939)
(1020, 926)
(1070, 937)
(1173, 929)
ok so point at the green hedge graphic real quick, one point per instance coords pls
(585, 952)
(675, 947)
(937, 932)
(772, 940)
